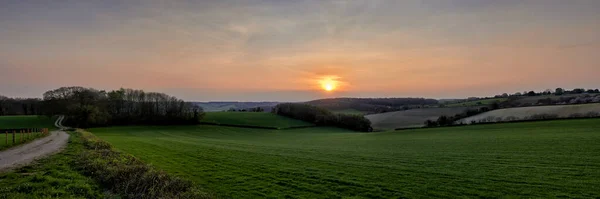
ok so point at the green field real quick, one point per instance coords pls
(28, 121)
(10, 122)
(535, 159)
(259, 119)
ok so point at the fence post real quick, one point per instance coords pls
(6, 134)
(14, 137)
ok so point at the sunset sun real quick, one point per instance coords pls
(328, 84)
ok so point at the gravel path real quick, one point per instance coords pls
(27, 153)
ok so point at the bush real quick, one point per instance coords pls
(543, 116)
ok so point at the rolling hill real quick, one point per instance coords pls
(522, 113)
(410, 118)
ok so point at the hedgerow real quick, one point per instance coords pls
(128, 176)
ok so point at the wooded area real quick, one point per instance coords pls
(88, 107)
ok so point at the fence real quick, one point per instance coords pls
(22, 134)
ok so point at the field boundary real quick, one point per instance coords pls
(255, 127)
(126, 175)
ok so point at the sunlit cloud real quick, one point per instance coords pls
(380, 48)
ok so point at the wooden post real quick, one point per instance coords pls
(14, 137)
(6, 133)
(21, 136)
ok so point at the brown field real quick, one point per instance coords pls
(410, 118)
(523, 112)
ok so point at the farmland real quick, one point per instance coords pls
(410, 118)
(534, 159)
(257, 119)
(7, 122)
(523, 112)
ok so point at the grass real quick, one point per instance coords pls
(26, 121)
(477, 102)
(11, 122)
(532, 160)
(258, 119)
(52, 177)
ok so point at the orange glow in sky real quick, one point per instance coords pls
(329, 83)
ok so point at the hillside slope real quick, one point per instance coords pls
(521, 113)
(410, 118)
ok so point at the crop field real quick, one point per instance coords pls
(410, 118)
(522, 112)
(259, 119)
(534, 160)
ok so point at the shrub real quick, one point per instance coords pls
(592, 114)
(576, 115)
(511, 118)
(543, 116)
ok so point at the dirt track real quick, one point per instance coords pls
(27, 153)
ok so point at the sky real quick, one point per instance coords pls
(279, 50)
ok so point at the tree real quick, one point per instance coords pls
(559, 91)
(578, 90)
(531, 93)
(504, 95)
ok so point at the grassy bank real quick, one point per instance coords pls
(52, 177)
(90, 168)
(534, 160)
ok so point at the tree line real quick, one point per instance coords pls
(323, 117)
(373, 105)
(451, 120)
(20, 106)
(557, 91)
(88, 107)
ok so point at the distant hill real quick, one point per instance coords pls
(224, 106)
(373, 105)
